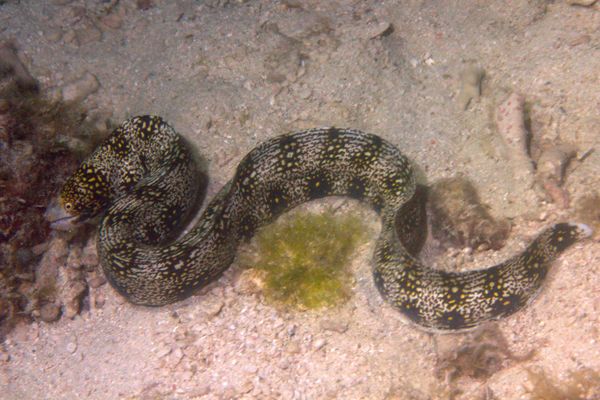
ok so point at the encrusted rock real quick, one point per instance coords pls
(72, 294)
(49, 312)
(458, 218)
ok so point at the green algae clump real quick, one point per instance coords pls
(304, 258)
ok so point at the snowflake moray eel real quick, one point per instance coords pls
(143, 181)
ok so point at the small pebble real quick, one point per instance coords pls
(212, 306)
(72, 347)
(229, 393)
(291, 330)
(246, 387)
(293, 348)
(200, 391)
(144, 4)
(319, 343)
(40, 249)
(334, 325)
(379, 30)
(174, 358)
(582, 39)
(99, 300)
(163, 351)
(304, 92)
(190, 351)
(53, 35)
(112, 21)
(88, 34)
(70, 37)
(81, 88)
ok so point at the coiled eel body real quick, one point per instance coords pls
(144, 180)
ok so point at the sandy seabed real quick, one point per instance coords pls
(229, 74)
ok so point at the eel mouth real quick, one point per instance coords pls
(59, 219)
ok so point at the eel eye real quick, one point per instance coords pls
(68, 206)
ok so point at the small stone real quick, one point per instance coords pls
(291, 330)
(4, 356)
(319, 343)
(96, 280)
(212, 306)
(49, 312)
(334, 325)
(379, 30)
(190, 351)
(251, 369)
(72, 347)
(246, 387)
(293, 348)
(174, 358)
(305, 92)
(163, 351)
(98, 300)
(200, 391)
(112, 21)
(40, 249)
(144, 4)
(70, 37)
(81, 88)
(228, 393)
(53, 35)
(581, 39)
(88, 34)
